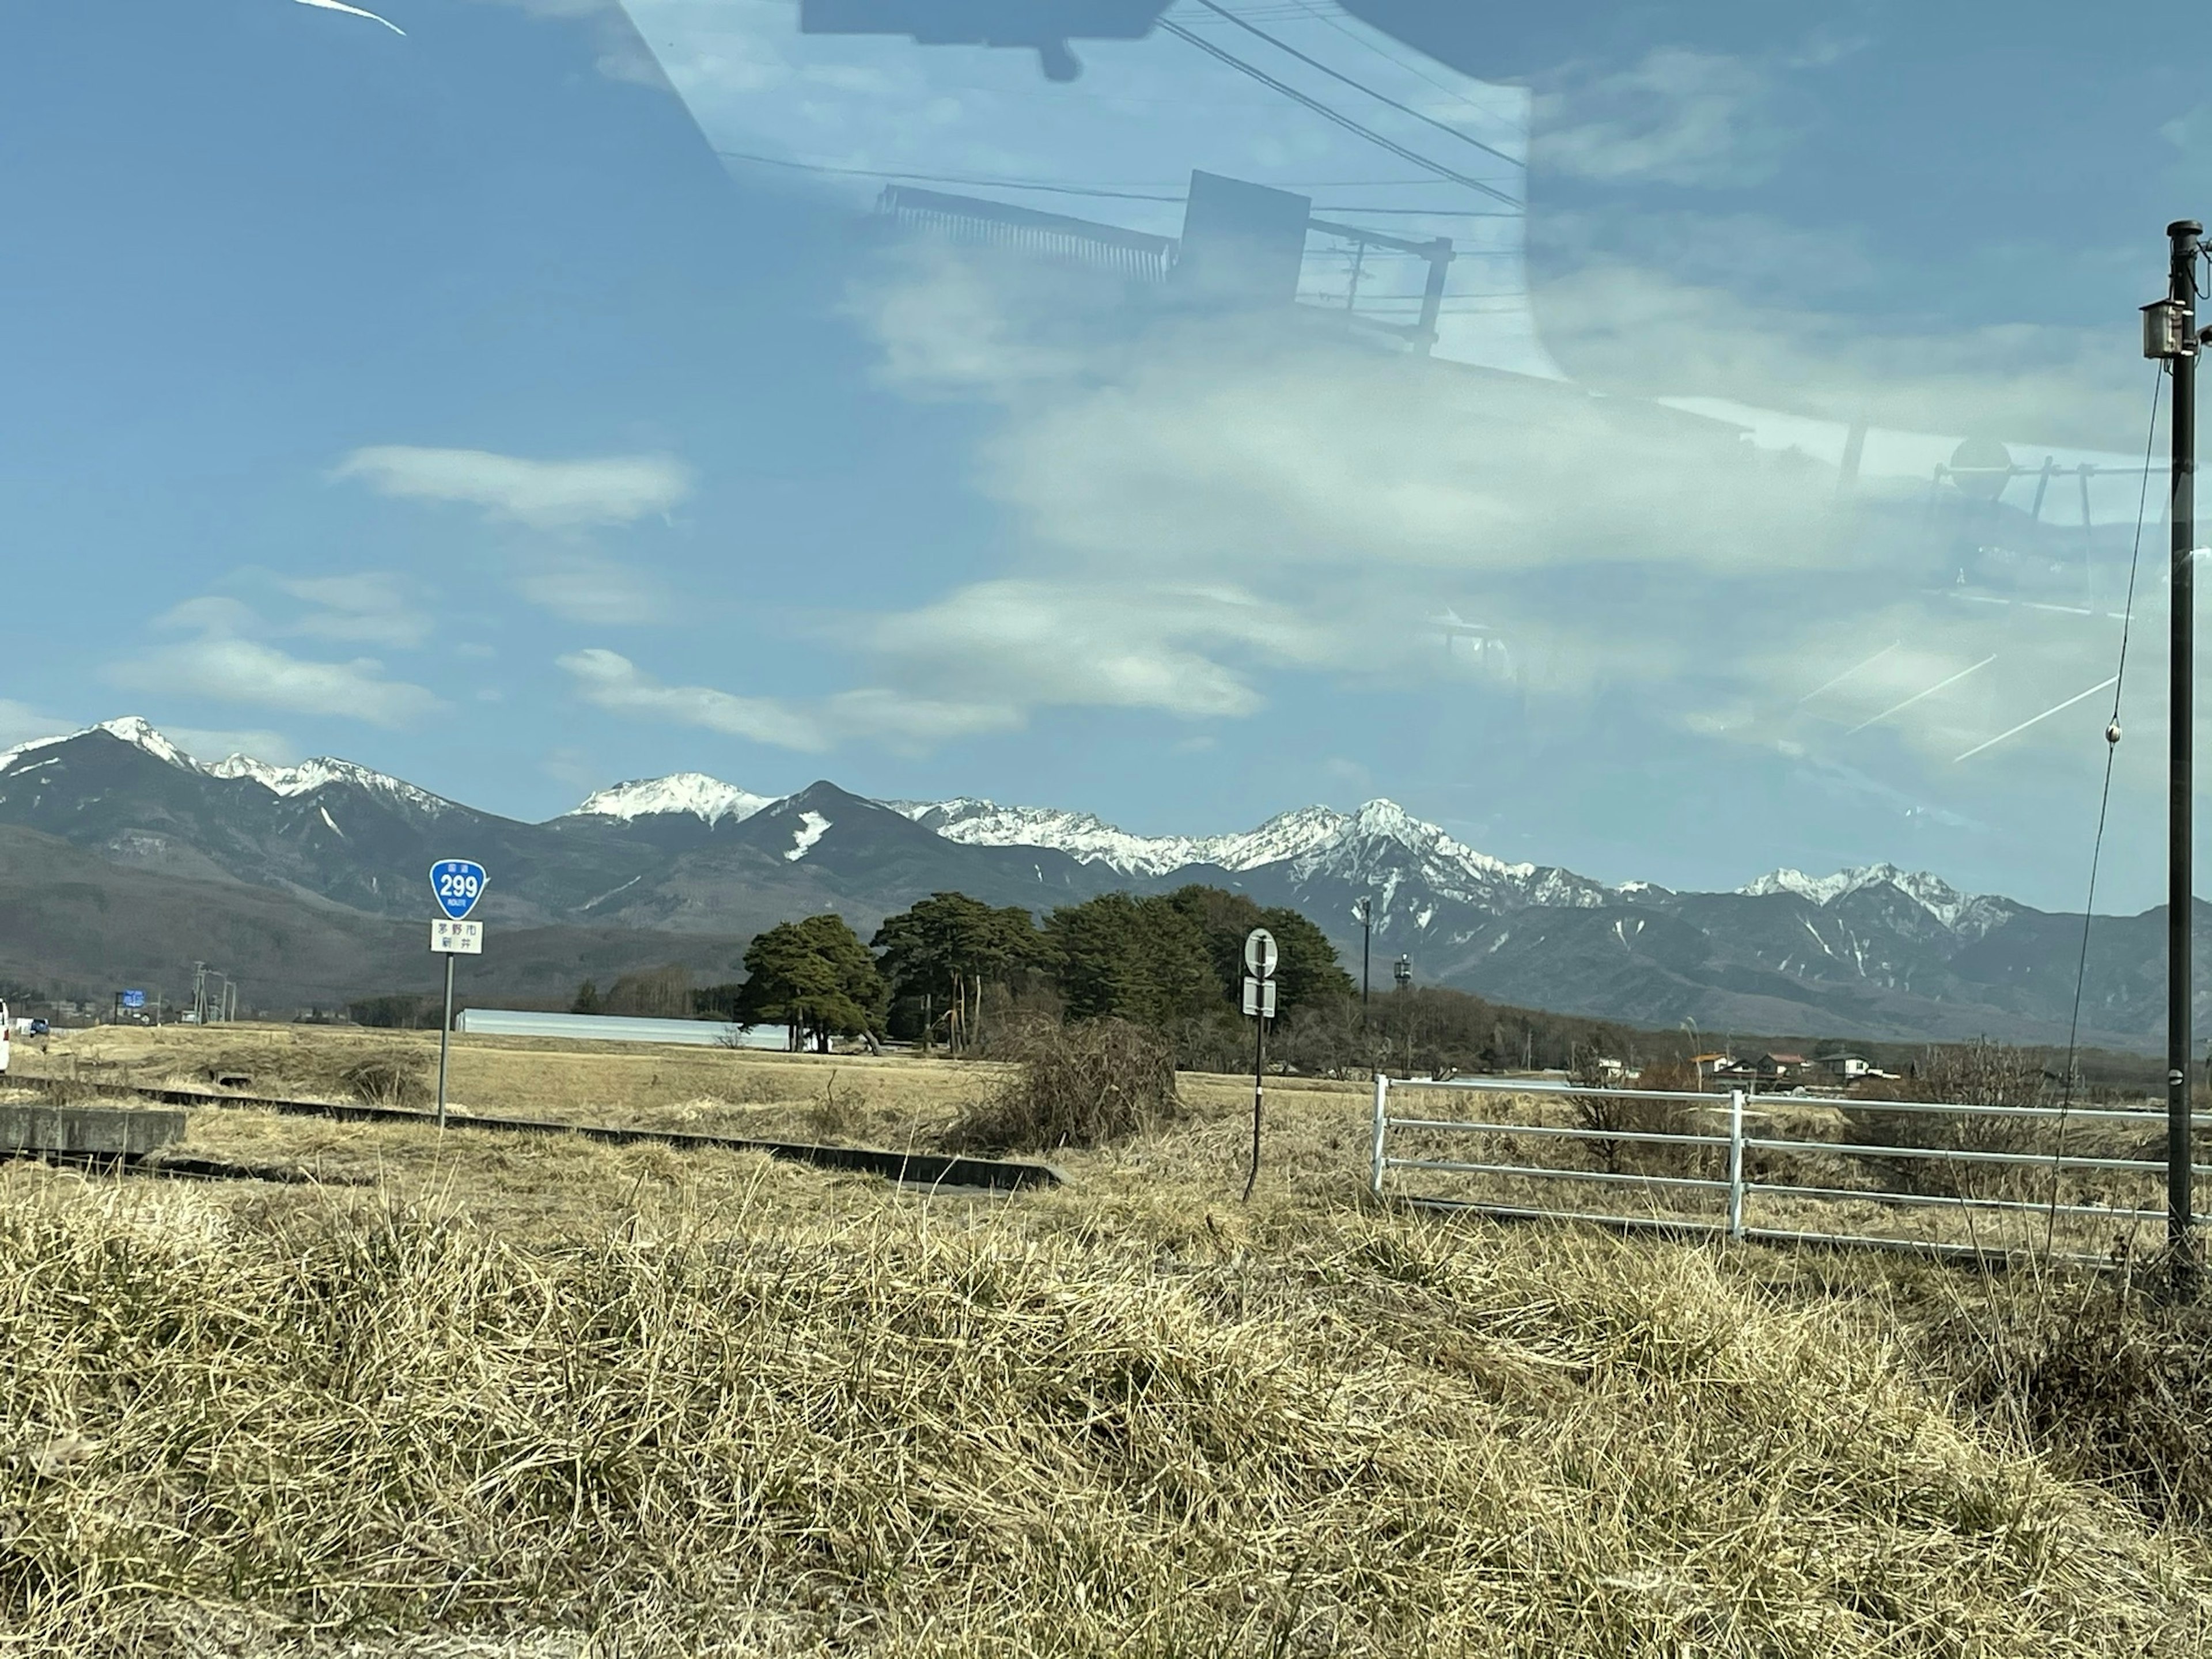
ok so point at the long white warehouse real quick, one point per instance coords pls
(615, 1027)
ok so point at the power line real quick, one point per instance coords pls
(1338, 74)
(1336, 116)
(1060, 187)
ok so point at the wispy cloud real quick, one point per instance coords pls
(608, 680)
(542, 494)
(369, 607)
(1677, 117)
(227, 664)
(894, 719)
(20, 723)
(584, 587)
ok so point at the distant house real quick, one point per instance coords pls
(1844, 1068)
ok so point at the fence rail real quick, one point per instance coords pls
(2068, 1183)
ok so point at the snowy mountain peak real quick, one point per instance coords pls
(708, 799)
(313, 775)
(1954, 909)
(140, 734)
(1082, 836)
(130, 729)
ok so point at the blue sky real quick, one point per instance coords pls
(444, 403)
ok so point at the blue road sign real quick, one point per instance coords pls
(459, 884)
(134, 998)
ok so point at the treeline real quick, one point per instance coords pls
(949, 971)
(955, 973)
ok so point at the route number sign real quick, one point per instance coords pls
(459, 884)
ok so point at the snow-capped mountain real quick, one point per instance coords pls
(313, 775)
(1969, 914)
(287, 780)
(131, 729)
(1866, 951)
(708, 799)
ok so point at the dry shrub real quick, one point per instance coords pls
(2112, 1383)
(1617, 1113)
(1977, 1074)
(395, 1077)
(1082, 1084)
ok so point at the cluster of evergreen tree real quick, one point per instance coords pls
(1169, 962)
(938, 972)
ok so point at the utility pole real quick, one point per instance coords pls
(2170, 333)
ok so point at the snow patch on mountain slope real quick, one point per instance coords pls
(708, 799)
(812, 826)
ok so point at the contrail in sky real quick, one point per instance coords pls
(1895, 707)
(2045, 715)
(1848, 672)
(354, 11)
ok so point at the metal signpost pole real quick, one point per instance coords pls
(1259, 1090)
(1259, 956)
(445, 1036)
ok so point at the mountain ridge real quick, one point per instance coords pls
(1870, 951)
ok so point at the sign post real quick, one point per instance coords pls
(1260, 957)
(459, 884)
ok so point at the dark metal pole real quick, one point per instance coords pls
(444, 1035)
(2181, 896)
(1366, 949)
(1259, 1084)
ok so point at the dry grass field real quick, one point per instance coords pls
(524, 1396)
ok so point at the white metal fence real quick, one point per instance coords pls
(2083, 1184)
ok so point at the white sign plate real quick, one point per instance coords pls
(1260, 953)
(456, 939)
(1259, 997)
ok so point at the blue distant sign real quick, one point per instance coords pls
(134, 998)
(459, 884)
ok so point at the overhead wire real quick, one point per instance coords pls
(1356, 86)
(1062, 187)
(1331, 114)
(2104, 806)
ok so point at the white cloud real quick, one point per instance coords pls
(1031, 643)
(369, 607)
(587, 588)
(226, 665)
(21, 723)
(610, 681)
(895, 719)
(569, 494)
(1199, 504)
(1678, 117)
